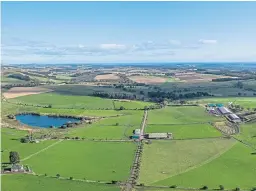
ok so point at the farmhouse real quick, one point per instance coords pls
(234, 118)
(158, 136)
(136, 132)
(224, 110)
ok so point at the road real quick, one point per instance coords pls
(143, 125)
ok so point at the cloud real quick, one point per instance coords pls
(204, 41)
(112, 46)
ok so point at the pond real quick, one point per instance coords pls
(44, 121)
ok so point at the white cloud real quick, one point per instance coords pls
(175, 42)
(112, 46)
(204, 41)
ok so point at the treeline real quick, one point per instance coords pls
(231, 79)
(19, 77)
(114, 95)
(159, 96)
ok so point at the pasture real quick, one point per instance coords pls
(85, 159)
(180, 115)
(234, 168)
(128, 104)
(21, 182)
(164, 159)
(248, 134)
(185, 131)
(66, 101)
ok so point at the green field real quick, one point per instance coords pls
(248, 133)
(65, 101)
(185, 131)
(180, 115)
(163, 159)
(31, 183)
(85, 159)
(235, 168)
(246, 102)
(132, 104)
(110, 128)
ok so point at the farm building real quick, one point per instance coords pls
(135, 136)
(136, 132)
(224, 110)
(158, 136)
(234, 118)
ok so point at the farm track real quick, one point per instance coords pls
(36, 153)
(134, 174)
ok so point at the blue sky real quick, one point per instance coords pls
(88, 32)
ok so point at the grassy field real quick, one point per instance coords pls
(66, 101)
(235, 168)
(132, 104)
(248, 133)
(185, 131)
(10, 138)
(84, 159)
(5, 79)
(246, 102)
(31, 183)
(24, 149)
(180, 115)
(111, 128)
(163, 159)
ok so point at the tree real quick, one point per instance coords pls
(237, 189)
(50, 106)
(117, 124)
(24, 140)
(222, 187)
(204, 188)
(121, 107)
(57, 175)
(14, 157)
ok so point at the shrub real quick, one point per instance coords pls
(57, 175)
(113, 181)
(173, 186)
(71, 178)
(24, 140)
(204, 188)
(221, 187)
(237, 189)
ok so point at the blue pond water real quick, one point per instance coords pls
(43, 121)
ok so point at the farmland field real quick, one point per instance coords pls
(132, 104)
(85, 159)
(31, 183)
(66, 101)
(246, 102)
(235, 168)
(248, 133)
(185, 131)
(163, 159)
(180, 115)
(151, 79)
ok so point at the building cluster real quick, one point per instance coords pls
(136, 135)
(219, 109)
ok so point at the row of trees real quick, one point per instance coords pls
(115, 95)
(19, 77)
(174, 96)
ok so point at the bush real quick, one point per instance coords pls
(173, 186)
(24, 140)
(71, 178)
(113, 182)
(57, 175)
(222, 187)
(45, 174)
(204, 188)
(237, 189)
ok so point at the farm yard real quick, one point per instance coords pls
(101, 155)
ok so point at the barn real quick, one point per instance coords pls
(234, 118)
(224, 110)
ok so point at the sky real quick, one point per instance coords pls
(116, 32)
